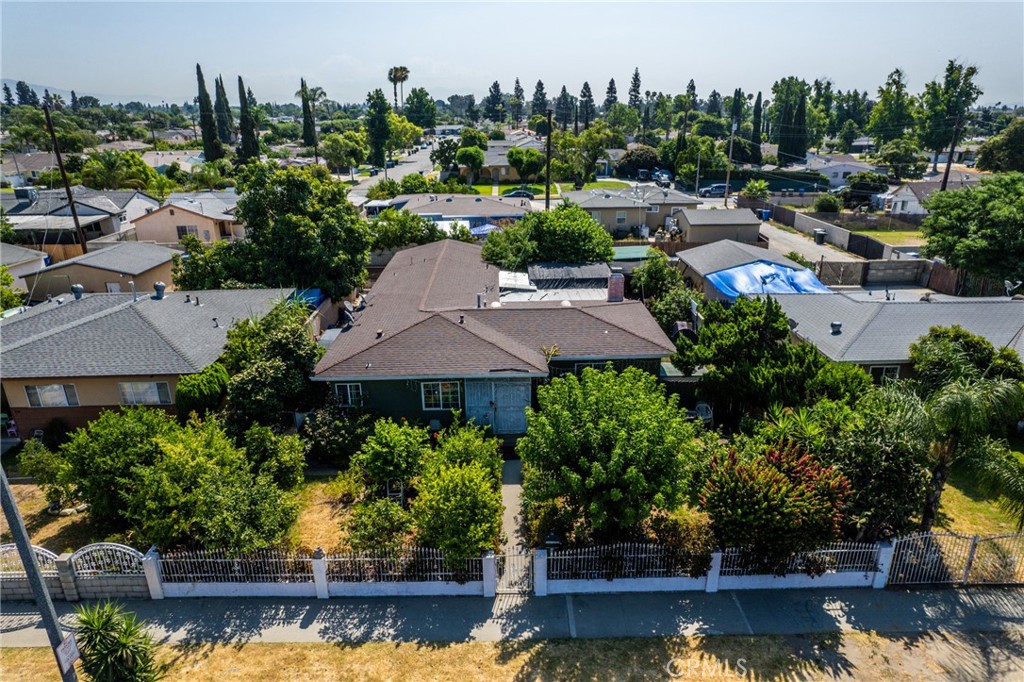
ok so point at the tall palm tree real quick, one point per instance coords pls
(397, 76)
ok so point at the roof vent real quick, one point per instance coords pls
(380, 333)
(188, 298)
(197, 301)
(77, 290)
(478, 199)
(837, 328)
(462, 319)
(449, 200)
(135, 293)
(566, 304)
(159, 287)
(479, 300)
(215, 322)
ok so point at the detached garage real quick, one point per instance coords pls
(712, 225)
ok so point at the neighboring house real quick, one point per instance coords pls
(712, 225)
(469, 209)
(443, 129)
(909, 198)
(963, 153)
(877, 334)
(839, 168)
(647, 208)
(20, 262)
(110, 269)
(20, 170)
(72, 358)
(162, 161)
(208, 216)
(726, 269)
(496, 165)
(862, 145)
(568, 276)
(664, 205)
(438, 334)
(606, 167)
(176, 136)
(123, 146)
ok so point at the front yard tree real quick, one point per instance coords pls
(394, 452)
(473, 159)
(527, 161)
(458, 511)
(607, 447)
(420, 108)
(378, 126)
(1004, 153)
(345, 150)
(444, 154)
(980, 229)
(212, 148)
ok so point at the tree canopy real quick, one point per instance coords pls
(567, 234)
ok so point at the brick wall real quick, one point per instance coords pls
(18, 589)
(113, 587)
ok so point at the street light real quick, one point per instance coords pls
(547, 174)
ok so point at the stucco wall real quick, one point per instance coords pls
(162, 226)
(58, 282)
(714, 233)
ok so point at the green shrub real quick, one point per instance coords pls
(335, 433)
(115, 645)
(798, 258)
(348, 487)
(458, 511)
(687, 532)
(280, 457)
(395, 451)
(200, 393)
(52, 472)
(380, 525)
(465, 443)
(828, 203)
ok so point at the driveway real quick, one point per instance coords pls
(782, 242)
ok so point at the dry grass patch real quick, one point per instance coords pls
(56, 533)
(967, 509)
(319, 523)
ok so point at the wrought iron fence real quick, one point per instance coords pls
(106, 558)
(421, 564)
(837, 557)
(11, 566)
(998, 560)
(625, 560)
(931, 559)
(219, 566)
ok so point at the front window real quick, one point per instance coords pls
(441, 395)
(596, 215)
(883, 373)
(187, 229)
(145, 393)
(620, 217)
(349, 395)
(52, 395)
(654, 209)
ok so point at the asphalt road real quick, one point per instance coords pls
(407, 165)
(782, 242)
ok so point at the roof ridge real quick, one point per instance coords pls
(433, 274)
(70, 325)
(163, 337)
(610, 305)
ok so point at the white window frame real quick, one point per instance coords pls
(188, 229)
(128, 389)
(653, 208)
(349, 395)
(68, 391)
(620, 217)
(884, 372)
(596, 215)
(444, 407)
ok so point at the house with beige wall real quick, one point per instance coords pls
(104, 270)
(642, 206)
(205, 216)
(72, 358)
(20, 261)
(712, 225)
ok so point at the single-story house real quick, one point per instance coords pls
(862, 145)
(664, 205)
(109, 269)
(712, 225)
(438, 335)
(161, 161)
(877, 334)
(469, 209)
(177, 136)
(496, 165)
(123, 146)
(908, 198)
(646, 207)
(209, 216)
(76, 356)
(20, 261)
(20, 170)
(606, 166)
(726, 269)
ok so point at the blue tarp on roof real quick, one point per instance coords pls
(483, 230)
(313, 297)
(760, 277)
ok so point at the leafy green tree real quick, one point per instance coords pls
(420, 108)
(607, 447)
(774, 505)
(568, 234)
(493, 104)
(336, 432)
(200, 393)
(673, 306)
(893, 115)
(458, 511)
(903, 157)
(345, 150)
(393, 452)
(444, 153)
(51, 471)
(611, 96)
(848, 134)
(473, 159)
(115, 645)
(212, 148)
(980, 229)
(10, 297)
(393, 229)
(639, 157)
(378, 525)
(527, 161)
(1004, 153)
(622, 119)
(945, 354)
(281, 457)
(249, 148)
(862, 186)
(828, 203)
(378, 126)
(539, 103)
(467, 443)
(258, 394)
(656, 277)
(511, 247)
(112, 169)
(587, 106)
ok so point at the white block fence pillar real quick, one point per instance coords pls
(151, 569)
(714, 571)
(320, 573)
(885, 554)
(540, 572)
(490, 575)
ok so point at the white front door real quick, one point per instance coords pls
(113, 287)
(499, 404)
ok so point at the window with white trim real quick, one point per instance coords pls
(596, 215)
(654, 208)
(52, 395)
(441, 395)
(187, 229)
(620, 217)
(349, 395)
(881, 373)
(145, 393)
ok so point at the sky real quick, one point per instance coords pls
(148, 50)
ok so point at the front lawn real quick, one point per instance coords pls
(320, 517)
(56, 533)
(968, 510)
(597, 184)
(897, 237)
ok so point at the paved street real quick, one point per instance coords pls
(782, 242)
(418, 162)
(460, 619)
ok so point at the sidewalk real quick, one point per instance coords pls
(461, 619)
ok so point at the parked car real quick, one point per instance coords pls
(716, 190)
(519, 193)
(643, 174)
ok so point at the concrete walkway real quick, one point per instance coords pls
(511, 489)
(782, 242)
(460, 619)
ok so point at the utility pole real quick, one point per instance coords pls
(728, 166)
(64, 176)
(696, 188)
(35, 578)
(952, 148)
(547, 173)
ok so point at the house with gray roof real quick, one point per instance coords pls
(620, 211)
(77, 355)
(208, 216)
(724, 270)
(471, 210)
(111, 269)
(909, 198)
(438, 334)
(877, 334)
(20, 261)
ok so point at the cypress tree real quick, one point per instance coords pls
(563, 108)
(755, 137)
(8, 97)
(308, 126)
(74, 99)
(539, 104)
(634, 91)
(212, 148)
(800, 128)
(736, 110)
(222, 110)
(611, 95)
(250, 147)
(586, 109)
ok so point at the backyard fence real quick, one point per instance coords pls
(107, 570)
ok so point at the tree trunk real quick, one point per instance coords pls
(935, 162)
(934, 496)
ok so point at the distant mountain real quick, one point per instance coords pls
(66, 94)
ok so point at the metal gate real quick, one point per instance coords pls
(932, 559)
(514, 572)
(997, 560)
